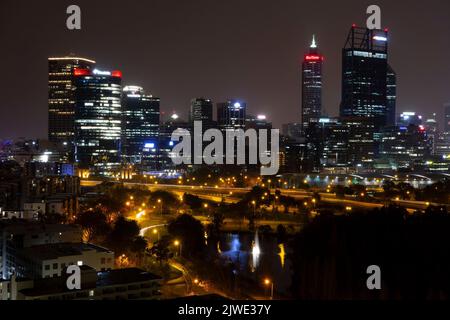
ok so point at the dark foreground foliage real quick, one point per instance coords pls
(332, 254)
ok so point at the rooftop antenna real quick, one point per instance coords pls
(313, 44)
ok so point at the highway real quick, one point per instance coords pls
(232, 195)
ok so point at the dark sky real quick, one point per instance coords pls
(246, 49)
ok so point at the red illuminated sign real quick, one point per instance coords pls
(117, 74)
(81, 72)
(313, 58)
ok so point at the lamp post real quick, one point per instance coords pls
(160, 206)
(179, 246)
(155, 232)
(268, 283)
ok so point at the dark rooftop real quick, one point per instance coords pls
(55, 286)
(53, 251)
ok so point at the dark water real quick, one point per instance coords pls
(258, 257)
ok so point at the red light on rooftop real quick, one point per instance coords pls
(386, 30)
(354, 25)
(81, 72)
(117, 74)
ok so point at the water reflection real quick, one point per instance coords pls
(256, 256)
(282, 254)
(256, 252)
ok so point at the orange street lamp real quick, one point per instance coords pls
(268, 282)
(178, 245)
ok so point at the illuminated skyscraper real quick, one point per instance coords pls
(98, 119)
(61, 97)
(311, 85)
(140, 126)
(231, 114)
(447, 117)
(391, 96)
(201, 110)
(365, 75)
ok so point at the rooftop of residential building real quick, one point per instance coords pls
(57, 250)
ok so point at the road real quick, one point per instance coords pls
(231, 195)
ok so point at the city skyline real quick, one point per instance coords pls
(191, 152)
(272, 56)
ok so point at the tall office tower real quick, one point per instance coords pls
(327, 144)
(447, 117)
(140, 127)
(201, 110)
(98, 119)
(231, 114)
(61, 97)
(166, 143)
(311, 85)
(365, 75)
(292, 131)
(391, 96)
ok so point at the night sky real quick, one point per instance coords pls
(245, 49)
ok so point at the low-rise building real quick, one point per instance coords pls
(18, 235)
(51, 260)
(121, 284)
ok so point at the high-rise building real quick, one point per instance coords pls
(447, 117)
(403, 146)
(166, 143)
(391, 96)
(140, 127)
(365, 76)
(61, 96)
(311, 85)
(231, 114)
(98, 119)
(292, 131)
(327, 144)
(201, 110)
(362, 146)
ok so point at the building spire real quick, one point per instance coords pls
(313, 44)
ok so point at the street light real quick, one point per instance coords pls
(160, 206)
(268, 283)
(254, 207)
(178, 245)
(155, 232)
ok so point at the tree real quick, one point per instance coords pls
(194, 202)
(218, 221)
(160, 250)
(190, 233)
(138, 247)
(281, 232)
(93, 224)
(123, 235)
(331, 255)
